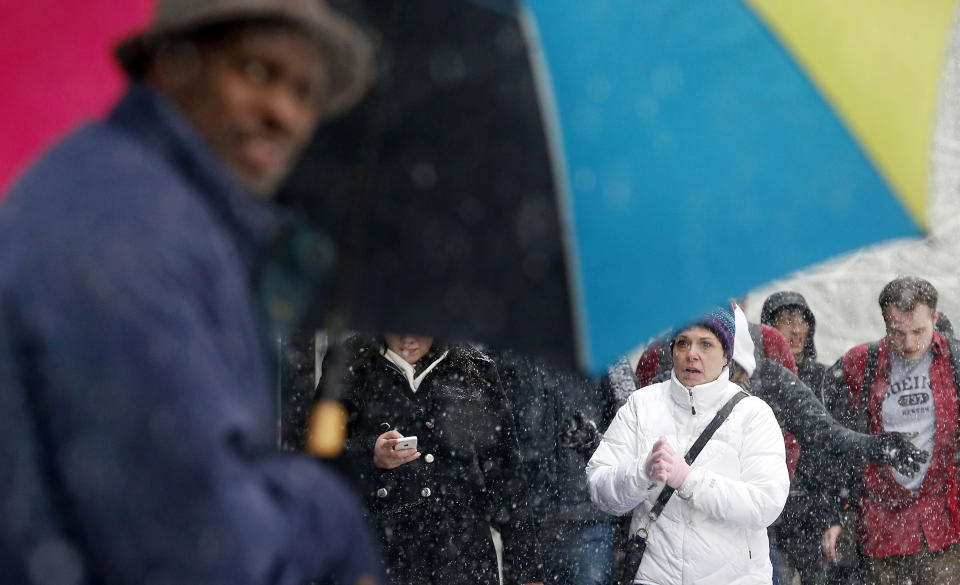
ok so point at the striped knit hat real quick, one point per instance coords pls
(721, 321)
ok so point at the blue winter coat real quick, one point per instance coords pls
(139, 433)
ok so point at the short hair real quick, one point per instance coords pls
(906, 292)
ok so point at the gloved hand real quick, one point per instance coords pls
(579, 433)
(896, 450)
(664, 464)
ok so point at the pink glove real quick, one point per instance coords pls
(663, 464)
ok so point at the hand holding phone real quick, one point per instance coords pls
(391, 450)
(405, 443)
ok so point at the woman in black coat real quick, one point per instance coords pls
(434, 505)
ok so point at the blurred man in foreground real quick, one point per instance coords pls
(138, 443)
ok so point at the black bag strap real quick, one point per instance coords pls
(695, 449)
(869, 373)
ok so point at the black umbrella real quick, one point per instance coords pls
(439, 188)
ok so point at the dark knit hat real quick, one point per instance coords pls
(721, 321)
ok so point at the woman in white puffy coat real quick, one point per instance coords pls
(713, 529)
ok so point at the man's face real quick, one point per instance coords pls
(255, 95)
(794, 327)
(910, 332)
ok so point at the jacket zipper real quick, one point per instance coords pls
(693, 409)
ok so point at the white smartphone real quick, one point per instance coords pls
(405, 443)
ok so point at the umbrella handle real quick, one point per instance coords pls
(327, 429)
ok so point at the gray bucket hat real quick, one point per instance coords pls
(351, 66)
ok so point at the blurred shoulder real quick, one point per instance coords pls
(360, 343)
(360, 351)
(474, 354)
(101, 193)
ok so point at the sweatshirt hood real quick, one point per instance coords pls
(794, 300)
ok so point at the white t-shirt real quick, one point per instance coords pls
(908, 407)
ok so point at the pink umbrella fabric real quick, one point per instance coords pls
(56, 57)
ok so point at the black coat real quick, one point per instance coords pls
(812, 505)
(434, 514)
(554, 448)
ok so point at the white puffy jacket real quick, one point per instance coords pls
(716, 532)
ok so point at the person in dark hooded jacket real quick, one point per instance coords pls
(812, 507)
(788, 313)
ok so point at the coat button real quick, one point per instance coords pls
(382, 493)
(429, 424)
(428, 458)
(425, 492)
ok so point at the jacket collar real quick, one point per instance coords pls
(156, 122)
(408, 370)
(940, 344)
(702, 398)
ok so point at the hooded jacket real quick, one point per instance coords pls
(737, 485)
(812, 506)
(808, 368)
